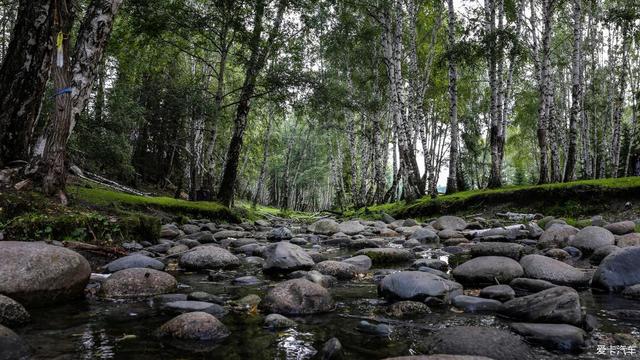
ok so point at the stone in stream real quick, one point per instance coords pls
(351, 227)
(498, 292)
(361, 262)
(534, 230)
(559, 304)
(557, 236)
(134, 261)
(622, 227)
(177, 250)
(418, 286)
(631, 239)
(525, 286)
(208, 257)
(425, 236)
(35, 274)
(407, 308)
(247, 280)
(505, 249)
(278, 322)
(387, 255)
(12, 313)
(195, 326)
(450, 222)
(473, 304)
(493, 343)
(591, 238)
(297, 297)
(184, 306)
(137, 282)
(374, 329)
(202, 237)
(190, 243)
(439, 273)
(563, 337)
(618, 270)
(316, 277)
(632, 292)
(324, 227)
(340, 270)
(487, 270)
(447, 234)
(332, 350)
(206, 297)
(226, 234)
(12, 347)
(436, 264)
(190, 228)
(169, 231)
(554, 271)
(599, 255)
(286, 257)
(279, 234)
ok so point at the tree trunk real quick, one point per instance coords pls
(576, 91)
(495, 177)
(453, 103)
(545, 91)
(265, 157)
(619, 105)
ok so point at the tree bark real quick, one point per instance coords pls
(576, 91)
(495, 176)
(545, 91)
(452, 180)
(265, 157)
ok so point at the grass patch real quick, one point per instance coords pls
(266, 212)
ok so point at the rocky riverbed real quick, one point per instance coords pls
(471, 288)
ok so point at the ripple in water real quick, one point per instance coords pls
(294, 345)
(96, 346)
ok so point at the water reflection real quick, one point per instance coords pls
(96, 345)
(294, 345)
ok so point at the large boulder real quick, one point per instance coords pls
(631, 239)
(418, 286)
(387, 255)
(559, 304)
(134, 261)
(297, 297)
(557, 236)
(622, 227)
(279, 234)
(474, 304)
(12, 313)
(286, 257)
(208, 257)
(339, 269)
(488, 270)
(449, 222)
(137, 282)
(34, 273)
(12, 347)
(592, 238)
(493, 343)
(361, 262)
(561, 337)
(195, 326)
(351, 227)
(510, 250)
(324, 227)
(554, 271)
(618, 270)
(425, 236)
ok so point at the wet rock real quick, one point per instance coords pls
(298, 297)
(228, 234)
(498, 292)
(407, 308)
(278, 322)
(631, 239)
(556, 272)
(12, 347)
(160, 248)
(534, 230)
(524, 286)
(374, 329)
(351, 227)
(161, 299)
(12, 313)
(450, 222)
(618, 270)
(286, 257)
(431, 263)
(563, 337)
(332, 350)
(361, 262)
(248, 302)
(557, 236)
(202, 237)
(488, 270)
(632, 292)
(473, 304)
(387, 255)
(137, 282)
(324, 226)
(435, 272)
(177, 249)
(134, 261)
(247, 280)
(208, 257)
(316, 277)
(557, 254)
(622, 227)
(559, 304)
(299, 241)
(388, 219)
(418, 286)
(338, 269)
(425, 236)
(195, 326)
(206, 297)
(190, 243)
(592, 238)
(132, 246)
(440, 357)
(599, 255)
(169, 231)
(572, 252)
(249, 249)
(493, 343)
(510, 250)
(366, 244)
(279, 234)
(35, 273)
(190, 228)
(449, 234)
(185, 306)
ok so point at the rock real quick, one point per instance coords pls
(159, 248)
(510, 250)
(34, 273)
(618, 270)
(190, 228)
(298, 297)
(632, 292)
(554, 271)
(286, 257)
(206, 297)
(332, 350)
(557, 236)
(195, 326)
(176, 250)
(436, 264)
(279, 234)
(388, 219)
(534, 230)
(263, 223)
(425, 236)
(248, 302)
(559, 304)
(340, 270)
(418, 286)
(137, 282)
(621, 228)
(374, 329)
(599, 255)
(247, 280)
(208, 257)
(435, 272)
(561, 337)
(473, 304)
(185, 306)
(202, 237)
(351, 227)
(324, 227)
(169, 231)
(493, 343)
(573, 252)
(592, 238)
(12, 347)
(439, 357)
(162, 299)
(316, 277)
(407, 309)
(12, 313)
(488, 270)
(361, 262)
(557, 254)
(278, 322)
(631, 239)
(524, 286)
(387, 255)
(449, 222)
(498, 292)
(134, 261)
(230, 234)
